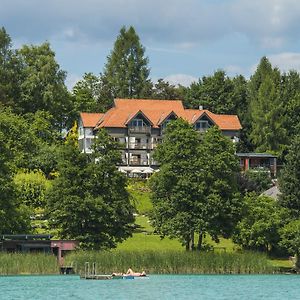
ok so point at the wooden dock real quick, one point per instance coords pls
(91, 273)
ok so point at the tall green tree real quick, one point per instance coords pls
(43, 84)
(88, 201)
(195, 190)
(289, 180)
(126, 71)
(10, 74)
(177, 187)
(14, 218)
(290, 97)
(222, 199)
(267, 131)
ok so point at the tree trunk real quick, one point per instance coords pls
(200, 240)
(192, 241)
(187, 243)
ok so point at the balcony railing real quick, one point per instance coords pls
(138, 162)
(139, 146)
(139, 129)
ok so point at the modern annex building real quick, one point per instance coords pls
(139, 124)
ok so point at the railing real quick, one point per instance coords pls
(139, 146)
(140, 129)
(138, 162)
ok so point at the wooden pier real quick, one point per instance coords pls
(91, 273)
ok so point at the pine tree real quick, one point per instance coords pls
(290, 179)
(267, 132)
(126, 71)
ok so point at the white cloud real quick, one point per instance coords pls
(286, 61)
(182, 79)
(270, 23)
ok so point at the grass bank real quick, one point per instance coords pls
(18, 264)
(172, 262)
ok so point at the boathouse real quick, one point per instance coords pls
(37, 243)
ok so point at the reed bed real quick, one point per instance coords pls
(18, 264)
(172, 262)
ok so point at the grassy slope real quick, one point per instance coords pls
(144, 239)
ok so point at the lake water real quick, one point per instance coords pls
(154, 287)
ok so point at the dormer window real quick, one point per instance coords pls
(202, 125)
(170, 118)
(138, 123)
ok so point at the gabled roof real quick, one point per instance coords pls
(166, 116)
(224, 122)
(136, 114)
(90, 119)
(156, 111)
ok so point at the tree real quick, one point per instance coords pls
(126, 71)
(220, 166)
(195, 190)
(290, 97)
(19, 139)
(88, 201)
(289, 180)
(90, 95)
(215, 93)
(267, 132)
(14, 218)
(165, 91)
(177, 186)
(32, 187)
(259, 226)
(9, 72)
(43, 86)
(290, 240)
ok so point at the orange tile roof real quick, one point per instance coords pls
(156, 111)
(90, 119)
(224, 122)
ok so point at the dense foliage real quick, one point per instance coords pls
(88, 201)
(259, 226)
(290, 179)
(196, 179)
(195, 190)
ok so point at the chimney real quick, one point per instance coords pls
(200, 107)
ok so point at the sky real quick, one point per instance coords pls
(184, 40)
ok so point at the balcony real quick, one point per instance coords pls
(139, 146)
(138, 162)
(139, 129)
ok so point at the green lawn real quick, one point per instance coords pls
(145, 239)
(140, 195)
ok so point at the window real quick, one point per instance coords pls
(202, 125)
(81, 131)
(137, 123)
